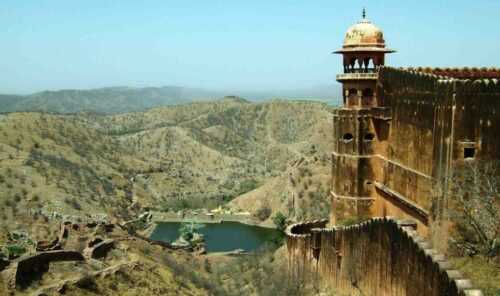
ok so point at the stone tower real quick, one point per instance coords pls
(363, 52)
(361, 125)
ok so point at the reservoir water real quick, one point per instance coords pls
(221, 237)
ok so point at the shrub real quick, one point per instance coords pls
(258, 274)
(248, 185)
(475, 208)
(73, 203)
(280, 221)
(87, 282)
(14, 251)
(263, 213)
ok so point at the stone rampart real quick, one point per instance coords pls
(381, 256)
(459, 73)
(299, 247)
(437, 121)
(99, 249)
(22, 271)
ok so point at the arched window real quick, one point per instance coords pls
(352, 64)
(371, 66)
(366, 64)
(360, 65)
(353, 92)
(347, 137)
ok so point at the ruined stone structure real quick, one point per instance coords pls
(401, 132)
(380, 256)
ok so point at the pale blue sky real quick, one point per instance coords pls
(241, 45)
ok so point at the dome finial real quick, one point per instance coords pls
(364, 13)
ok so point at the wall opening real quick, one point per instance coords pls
(367, 92)
(469, 152)
(369, 137)
(347, 137)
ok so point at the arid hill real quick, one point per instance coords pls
(263, 158)
(185, 156)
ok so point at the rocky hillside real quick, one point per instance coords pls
(103, 100)
(185, 156)
(263, 158)
(114, 100)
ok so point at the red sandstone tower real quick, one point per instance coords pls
(361, 125)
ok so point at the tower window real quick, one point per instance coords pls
(367, 92)
(347, 137)
(469, 152)
(369, 137)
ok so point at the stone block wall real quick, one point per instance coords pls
(477, 116)
(435, 121)
(381, 256)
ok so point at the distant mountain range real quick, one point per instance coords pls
(126, 99)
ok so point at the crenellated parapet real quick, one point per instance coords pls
(381, 256)
(472, 73)
(427, 79)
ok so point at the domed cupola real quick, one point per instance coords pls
(364, 34)
(364, 37)
(363, 52)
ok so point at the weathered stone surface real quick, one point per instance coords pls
(376, 257)
(390, 154)
(100, 249)
(22, 271)
(47, 246)
(3, 263)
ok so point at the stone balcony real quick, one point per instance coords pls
(357, 76)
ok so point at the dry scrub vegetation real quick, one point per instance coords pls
(186, 156)
(270, 159)
(474, 210)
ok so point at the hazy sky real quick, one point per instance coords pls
(232, 44)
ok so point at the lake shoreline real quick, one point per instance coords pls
(231, 238)
(159, 217)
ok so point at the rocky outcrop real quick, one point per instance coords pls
(60, 287)
(381, 256)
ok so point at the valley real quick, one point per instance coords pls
(229, 155)
(228, 152)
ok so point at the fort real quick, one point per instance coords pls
(398, 137)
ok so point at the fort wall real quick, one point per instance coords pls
(477, 117)
(381, 256)
(391, 160)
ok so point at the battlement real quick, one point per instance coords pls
(426, 80)
(381, 256)
(459, 73)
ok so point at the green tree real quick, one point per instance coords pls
(189, 229)
(280, 221)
